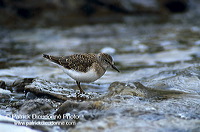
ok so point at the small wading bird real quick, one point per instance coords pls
(86, 67)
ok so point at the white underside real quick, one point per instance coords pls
(89, 76)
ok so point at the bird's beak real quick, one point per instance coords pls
(114, 67)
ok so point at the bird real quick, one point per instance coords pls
(84, 67)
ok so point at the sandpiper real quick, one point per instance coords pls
(86, 67)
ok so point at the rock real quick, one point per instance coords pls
(52, 90)
(20, 84)
(70, 106)
(186, 80)
(3, 91)
(129, 6)
(5, 95)
(37, 106)
(2, 84)
(137, 89)
(41, 88)
(174, 6)
(87, 110)
(121, 88)
(75, 107)
(30, 95)
(157, 93)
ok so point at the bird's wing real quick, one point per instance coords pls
(78, 62)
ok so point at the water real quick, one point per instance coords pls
(162, 57)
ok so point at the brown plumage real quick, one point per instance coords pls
(78, 62)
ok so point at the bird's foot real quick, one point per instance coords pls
(81, 96)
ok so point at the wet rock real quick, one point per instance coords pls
(75, 107)
(2, 84)
(20, 84)
(5, 95)
(30, 95)
(43, 88)
(137, 89)
(184, 80)
(157, 93)
(121, 88)
(129, 6)
(17, 104)
(83, 111)
(68, 106)
(37, 106)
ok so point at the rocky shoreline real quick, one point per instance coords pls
(45, 105)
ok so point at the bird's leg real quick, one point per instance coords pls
(79, 86)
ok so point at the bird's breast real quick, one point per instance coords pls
(89, 76)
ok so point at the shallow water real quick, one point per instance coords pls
(162, 57)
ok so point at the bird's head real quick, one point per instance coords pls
(106, 61)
